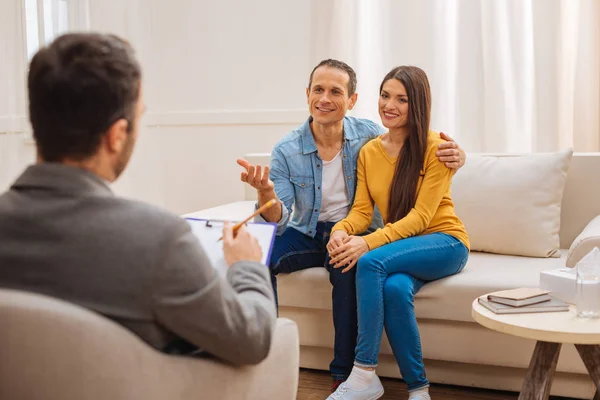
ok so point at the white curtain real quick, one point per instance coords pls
(506, 76)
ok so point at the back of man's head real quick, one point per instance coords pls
(78, 87)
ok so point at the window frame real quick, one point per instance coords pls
(76, 19)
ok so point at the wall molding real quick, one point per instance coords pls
(226, 117)
(14, 124)
(19, 124)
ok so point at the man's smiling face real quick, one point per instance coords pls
(328, 98)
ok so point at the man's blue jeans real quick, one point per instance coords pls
(294, 251)
(387, 280)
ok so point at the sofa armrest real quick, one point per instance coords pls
(235, 211)
(585, 242)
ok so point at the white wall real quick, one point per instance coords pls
(221, 79)
(14, 153)
(225, 78)
(12, 67)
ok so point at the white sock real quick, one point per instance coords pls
(360, 378)
(419, 394)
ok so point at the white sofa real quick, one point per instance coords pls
(456, 349)
(54, 350)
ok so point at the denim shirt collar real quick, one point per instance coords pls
(308, 140)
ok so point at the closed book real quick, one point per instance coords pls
(554, 305)
(520, 297)
(520, 303)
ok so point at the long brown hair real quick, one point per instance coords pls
(403, 192)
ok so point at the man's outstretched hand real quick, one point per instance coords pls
(256, 176)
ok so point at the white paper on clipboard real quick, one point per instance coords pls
(208, 233)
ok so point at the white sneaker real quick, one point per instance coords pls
(419, 396)
(371, 392)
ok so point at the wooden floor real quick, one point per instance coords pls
(315, 385)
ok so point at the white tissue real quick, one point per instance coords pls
(593, 257)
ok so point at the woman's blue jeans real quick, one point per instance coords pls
(386, 282)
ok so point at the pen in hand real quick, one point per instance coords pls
(260, 210)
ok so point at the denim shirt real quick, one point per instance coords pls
(296, 171)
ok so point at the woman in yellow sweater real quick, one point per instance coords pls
(423, 239)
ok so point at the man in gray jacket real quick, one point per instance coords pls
(63, 233)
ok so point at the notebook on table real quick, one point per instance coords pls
(519, 297)
(208, 233)
(553, 305)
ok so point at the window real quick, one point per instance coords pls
(44, 20)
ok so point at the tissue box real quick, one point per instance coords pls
(561, 282)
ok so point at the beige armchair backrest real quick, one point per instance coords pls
(52, 350)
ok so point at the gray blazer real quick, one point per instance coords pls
(63, 233)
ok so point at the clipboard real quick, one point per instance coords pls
(208, 233)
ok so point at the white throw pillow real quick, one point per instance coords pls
(511, 204)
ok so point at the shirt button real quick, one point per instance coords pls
(318, 165)
(302, 185)
(318, 187)
(309, 231)
(349, 177)
(316, 210)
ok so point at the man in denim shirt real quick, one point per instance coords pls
(313, 170)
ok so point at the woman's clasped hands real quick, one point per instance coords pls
(345, 250)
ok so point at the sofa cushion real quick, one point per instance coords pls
(512, 205)
(484, 273)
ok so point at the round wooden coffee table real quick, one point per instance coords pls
(551, 330)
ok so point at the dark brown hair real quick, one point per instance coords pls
(78, 87)
(342, 66)
(403, 192)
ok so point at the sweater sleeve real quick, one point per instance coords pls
(361, 214)
(436, 182)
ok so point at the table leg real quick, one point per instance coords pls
(590, 354)
(541, 371)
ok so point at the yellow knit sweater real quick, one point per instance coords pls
(433, 211)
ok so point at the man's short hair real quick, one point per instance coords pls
(342, 66)
(78, 87)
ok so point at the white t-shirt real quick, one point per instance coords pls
(335, 203)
